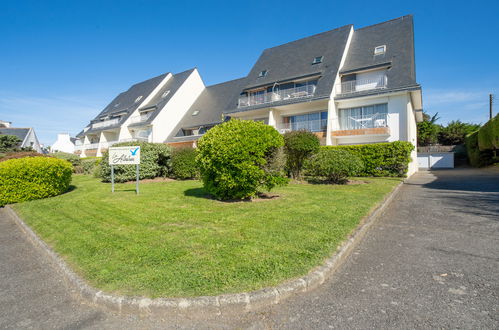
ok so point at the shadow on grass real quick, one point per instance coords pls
(70, 189)
(201, 193)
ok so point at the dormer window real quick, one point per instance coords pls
(262, 73)
(165, 94)
(138, 99)
(317, 60)
(380, 50)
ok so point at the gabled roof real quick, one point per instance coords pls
(398, 36)
(294, 60)
(158, 101)
(20, 133)
(211, 105)
(126, 102)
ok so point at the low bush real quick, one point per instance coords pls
(477, 157)
(184, 164)
(21, 154)
(155, 162)
(298, 146)
(33, 178)
(239, 158)
(381, 159)
(89, 164)
(75, 160)
(333, 165)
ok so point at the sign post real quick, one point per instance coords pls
(125, 156)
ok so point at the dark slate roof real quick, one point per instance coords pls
(125, 102)
(398, 36)
(212, 103)
(158, 102)
(19, 132)
(294, 60)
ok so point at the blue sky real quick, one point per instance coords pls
(61, 62)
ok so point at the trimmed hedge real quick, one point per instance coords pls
(333, 165)
(239, 158)
(184, 164)
(488, 135)
(33, 178)
(155, 161)
(476, 157)
(381, 159)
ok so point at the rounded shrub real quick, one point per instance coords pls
(155, 162)
(31, 178)
(334, 165)
(298, 146)
(237, 159)
(184, 164)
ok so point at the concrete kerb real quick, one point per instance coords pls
(209, 306)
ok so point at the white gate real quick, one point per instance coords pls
(435, 160)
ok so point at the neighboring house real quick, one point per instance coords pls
(347, 86)
(26, 135)
(64, 143)
(148, 111)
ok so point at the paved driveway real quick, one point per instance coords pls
(431, 261)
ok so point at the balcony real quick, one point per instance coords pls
(319, 125)
(375, 124)
(361, 85)
(140, 119)
(106, 123)
(265, 97)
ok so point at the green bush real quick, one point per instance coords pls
(381, 159)
(455, 132)
(477, 157)
(298, 146)
(155, 162)
(31, 178)
(488, 135)
(239, 158)
(89, 164)
(333, 165)
(9, 143)
(184, 164)
(75, 160)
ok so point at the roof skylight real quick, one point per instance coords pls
(165, 94)
(380, 50)
(317, 59)
(262, 73)
(138, 99)
(195, 113)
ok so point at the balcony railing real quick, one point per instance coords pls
(140, 119)
(319, 125)
(361, 85)
(106, 123)
(106, 144)
(276, 96)
(365, 121)
(87, 146)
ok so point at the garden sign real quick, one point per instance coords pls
(124, 156)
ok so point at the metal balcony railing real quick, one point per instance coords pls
(361, 85)
(308, 125)
(140, 119)
(279, 95)
(106, 123)
(363, 121)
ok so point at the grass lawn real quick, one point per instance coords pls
(172, 241)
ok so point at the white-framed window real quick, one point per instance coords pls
(317, 59)
(369, 116)
(380, 50)
(138, 99)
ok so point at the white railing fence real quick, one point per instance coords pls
(278, 95)
(141, 118)
(318, 125)
(106, 123)
(363, 121)
(361, 85)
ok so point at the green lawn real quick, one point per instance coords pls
(173, 241)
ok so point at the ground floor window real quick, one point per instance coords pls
(370, 116)
(314, 122)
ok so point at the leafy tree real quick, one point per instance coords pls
(298, 146)
(9, 143)
(428, 130)
(455, 132)
(237, 159)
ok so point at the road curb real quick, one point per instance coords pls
(207, 306)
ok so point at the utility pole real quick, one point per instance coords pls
(491, 98)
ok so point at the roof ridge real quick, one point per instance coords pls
(225, 82)
(313, 35)
(178, 73)
(155, 77)
(390, 20)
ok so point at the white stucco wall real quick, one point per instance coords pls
(176, 107)
(63, 144)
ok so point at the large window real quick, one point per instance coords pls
(314, 122)
(371, 116)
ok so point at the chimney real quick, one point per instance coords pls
(5, 124)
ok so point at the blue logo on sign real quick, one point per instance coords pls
(134, 152)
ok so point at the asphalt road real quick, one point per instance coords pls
(430, 261)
